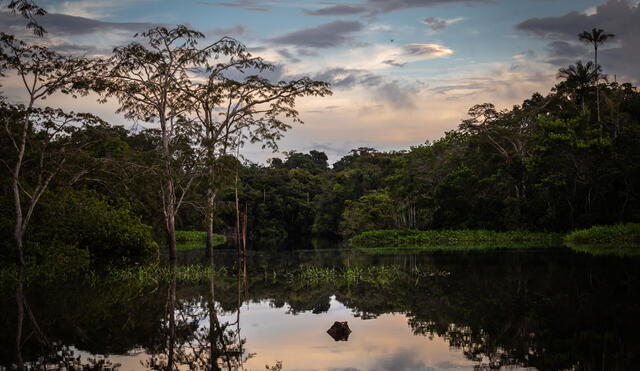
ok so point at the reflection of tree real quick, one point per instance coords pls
(49, 355)
(194, 336)
(556, 310)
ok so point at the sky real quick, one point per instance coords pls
(402, 72)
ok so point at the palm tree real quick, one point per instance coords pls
(579, 78)
(596, 37)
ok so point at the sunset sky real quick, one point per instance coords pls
(402, 71)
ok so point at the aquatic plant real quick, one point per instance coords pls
(606, 234)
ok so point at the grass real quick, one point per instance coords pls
(191, 240)
(153, 274)
(376, 275)
(606, 234)
(442, 238)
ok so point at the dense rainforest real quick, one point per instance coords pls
(548, 164)
(544, 165)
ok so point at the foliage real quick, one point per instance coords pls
(408, 237)
(88, 221)
(374, 210)
(606, 234)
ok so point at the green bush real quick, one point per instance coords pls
(412, 237)
(86, 220)
(191, 240)
(189, 236)
(606, 234)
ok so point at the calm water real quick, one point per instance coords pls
(544, 309)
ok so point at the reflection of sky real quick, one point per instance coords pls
(301, 342)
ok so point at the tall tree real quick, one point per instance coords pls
(149, 80)
(38, 135)
(580, 77)
(236, 104)
(596, 37)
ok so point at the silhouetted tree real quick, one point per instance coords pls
(596, 37)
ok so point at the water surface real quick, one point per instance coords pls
(544, 309)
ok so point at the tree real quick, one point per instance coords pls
(29, 10)
(596, 37)
(43, 136)
(250, 108)
(579, 78)
(149, 81)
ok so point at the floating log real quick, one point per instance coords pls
(339, 331)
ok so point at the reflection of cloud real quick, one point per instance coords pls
(619, 17)
(401, 361)
(323, 36)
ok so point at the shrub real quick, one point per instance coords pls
(606, 234)
(86, 220)
(412, 237)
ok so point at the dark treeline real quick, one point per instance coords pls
(75, 186)
(547, 164)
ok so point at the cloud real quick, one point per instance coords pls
(323, 36)
(374, 7)
(384, 89)
(392, 62)
(62, 24)
(237, 30)
(249, 5)
(288, 55)
(562, 53)
(75, 35)
(337, 10)
(89, 9)
(425, 51)
(437, 24)
(620, 17)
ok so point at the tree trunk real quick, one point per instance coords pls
(170, 220)
(211, 196)
(20, 319)
(172, 322)
(20, 225)
(168, 192)
(598, 89)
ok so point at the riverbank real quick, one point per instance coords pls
(606, 235)
(432, 238)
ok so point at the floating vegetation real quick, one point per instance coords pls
(374, 274)
(153, 274)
